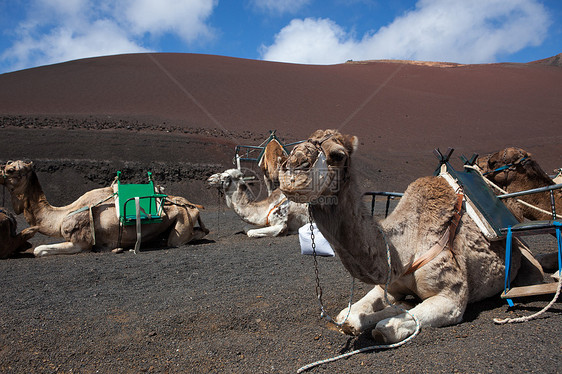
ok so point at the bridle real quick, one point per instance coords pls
(505, 168)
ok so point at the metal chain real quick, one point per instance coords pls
(318, 288)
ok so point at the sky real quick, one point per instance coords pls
(42, 32)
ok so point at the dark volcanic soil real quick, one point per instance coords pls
(226, 304)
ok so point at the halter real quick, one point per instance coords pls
(507, 166)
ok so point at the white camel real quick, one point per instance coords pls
(466, 267)
(95, 209)
(275, 214)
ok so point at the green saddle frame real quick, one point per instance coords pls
(150, 203)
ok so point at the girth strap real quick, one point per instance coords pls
(272, 209)
(446, 240)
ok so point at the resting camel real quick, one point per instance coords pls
(275, 214)
(273, 156)
(467, 269)
(513, 170)
(558, 178)
(73, 223)
(11, 242)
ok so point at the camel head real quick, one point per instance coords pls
(317, 167)
(228, 182)
(16, 176)
(509, 164)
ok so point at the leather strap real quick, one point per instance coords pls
(446, 240)
(272, 209)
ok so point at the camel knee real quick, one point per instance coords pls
(393, 330)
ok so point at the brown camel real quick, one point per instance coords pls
(10, 241)
(74, 222)
(273, 155)
(513, 170)
(558, 178)
(469, 268)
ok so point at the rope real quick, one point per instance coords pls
(533, 316)
(489, 182)
(499, 321)
(373, 347)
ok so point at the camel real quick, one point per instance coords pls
(74, 222)
(275, 214)
(558, 178)
(273, 155)
(513, 170)
(10, 241)
(468, 268)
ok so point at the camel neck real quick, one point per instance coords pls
(356, 237)
(36, 208)
(249, 211)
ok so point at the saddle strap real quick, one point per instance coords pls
(138, 224)
(272, 209)
(446, 240)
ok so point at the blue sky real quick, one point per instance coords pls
(41, 32)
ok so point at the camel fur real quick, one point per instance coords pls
(178, 224)
(273, 156)
(558, 178)
(12, 242)
(524, 173)
(276, 215)
(473, 269)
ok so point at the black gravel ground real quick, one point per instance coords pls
(228, 304)
(237, 305)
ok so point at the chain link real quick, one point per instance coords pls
(318, 288)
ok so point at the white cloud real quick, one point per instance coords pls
(184, 18)
(280, 6)
(473, 31)
(62, 30)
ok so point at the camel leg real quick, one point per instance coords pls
(266, 231)
(65, 248)
(367, 312)
(434, 311)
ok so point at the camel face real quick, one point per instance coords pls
(317, 167)
(15, 174)
(226, 180)
(494, 165)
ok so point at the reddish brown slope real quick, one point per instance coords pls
(401, 111)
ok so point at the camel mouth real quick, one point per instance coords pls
(303, 179)
(214, 180)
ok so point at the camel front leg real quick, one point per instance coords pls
(266, 231)
(66, 248)
(434, 311)
(366, 312)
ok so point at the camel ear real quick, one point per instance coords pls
(351, 143)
